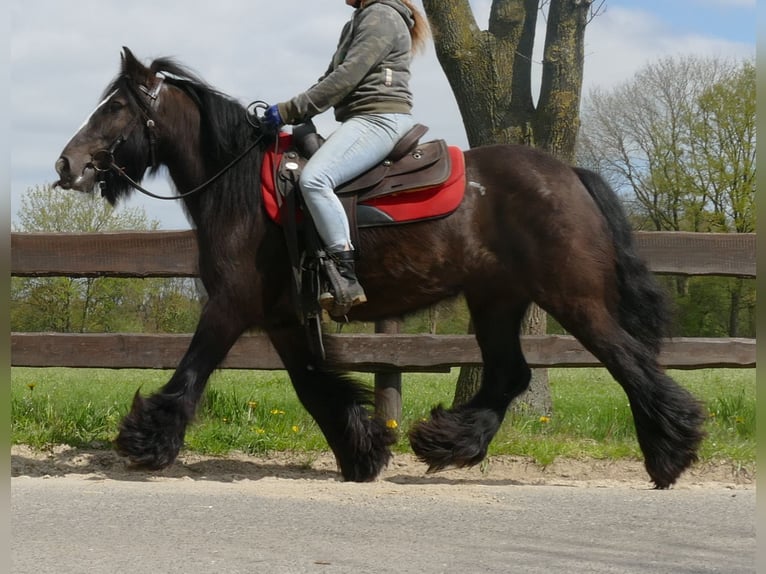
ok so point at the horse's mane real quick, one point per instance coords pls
(224, 122)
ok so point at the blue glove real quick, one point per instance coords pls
(271, 118)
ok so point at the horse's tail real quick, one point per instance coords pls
(644, 309)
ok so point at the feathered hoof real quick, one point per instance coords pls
(453, 438)
(671, 447)
(366, 451)
(152, 433)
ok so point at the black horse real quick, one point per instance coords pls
(529, 229)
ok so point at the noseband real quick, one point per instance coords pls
(103, 160)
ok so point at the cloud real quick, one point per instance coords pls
(620, 41)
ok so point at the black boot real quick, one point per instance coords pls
(345, 290)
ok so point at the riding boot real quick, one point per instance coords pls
(345, 290)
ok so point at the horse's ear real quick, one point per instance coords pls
(126, 55)
(130, 64)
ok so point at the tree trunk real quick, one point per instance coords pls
(490, 72)
(468, 381)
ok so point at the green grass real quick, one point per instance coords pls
(257, 412)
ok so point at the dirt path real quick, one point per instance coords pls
(404, 469)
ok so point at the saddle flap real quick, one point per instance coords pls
(422, 166)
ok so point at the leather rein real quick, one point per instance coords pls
(103, 160)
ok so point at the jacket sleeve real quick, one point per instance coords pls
(369, 46)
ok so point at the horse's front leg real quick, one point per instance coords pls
(152, 433)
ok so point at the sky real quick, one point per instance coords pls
(63, 54)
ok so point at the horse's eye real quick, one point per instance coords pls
(115, 106)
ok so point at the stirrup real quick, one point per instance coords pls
(328, 302)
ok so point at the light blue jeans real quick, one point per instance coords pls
(359, 143)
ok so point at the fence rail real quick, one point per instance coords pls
(174, 254)
(360, 352)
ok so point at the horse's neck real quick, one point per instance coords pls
(181, 146)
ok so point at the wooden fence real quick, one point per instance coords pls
(388, 353)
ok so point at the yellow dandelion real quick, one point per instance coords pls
(392, 424)
(31, 386)
(296, 428)
(545, 419)
(260, 431)
(252, 404)
(277, 412)
(225, 420)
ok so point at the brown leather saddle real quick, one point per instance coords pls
(410, 166)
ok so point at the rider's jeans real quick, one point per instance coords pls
(359, 143)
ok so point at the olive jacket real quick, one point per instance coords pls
(370, 70)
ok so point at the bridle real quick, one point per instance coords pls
(103, 160)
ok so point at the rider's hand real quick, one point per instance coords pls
(271, 118)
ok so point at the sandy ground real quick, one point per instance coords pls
(303, 469)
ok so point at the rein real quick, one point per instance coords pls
(107, 158)
(103, 160)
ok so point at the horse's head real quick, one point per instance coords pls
(160, 115)
(119, 132)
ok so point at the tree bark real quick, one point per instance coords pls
(490, 72)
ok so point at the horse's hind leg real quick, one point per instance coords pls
(152, 433)
(361, 443)
(668, 419)
(460, 436)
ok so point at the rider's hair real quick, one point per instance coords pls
(420, 31)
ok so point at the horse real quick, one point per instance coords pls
(528, 229)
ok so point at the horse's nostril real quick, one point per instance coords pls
(62, 165)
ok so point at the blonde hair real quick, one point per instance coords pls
(420, 32)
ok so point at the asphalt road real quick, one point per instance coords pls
(277, 525)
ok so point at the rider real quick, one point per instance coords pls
(367, 83)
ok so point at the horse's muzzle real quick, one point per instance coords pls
(65, 176)
(85, 182)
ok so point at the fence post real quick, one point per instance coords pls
(388, 385)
